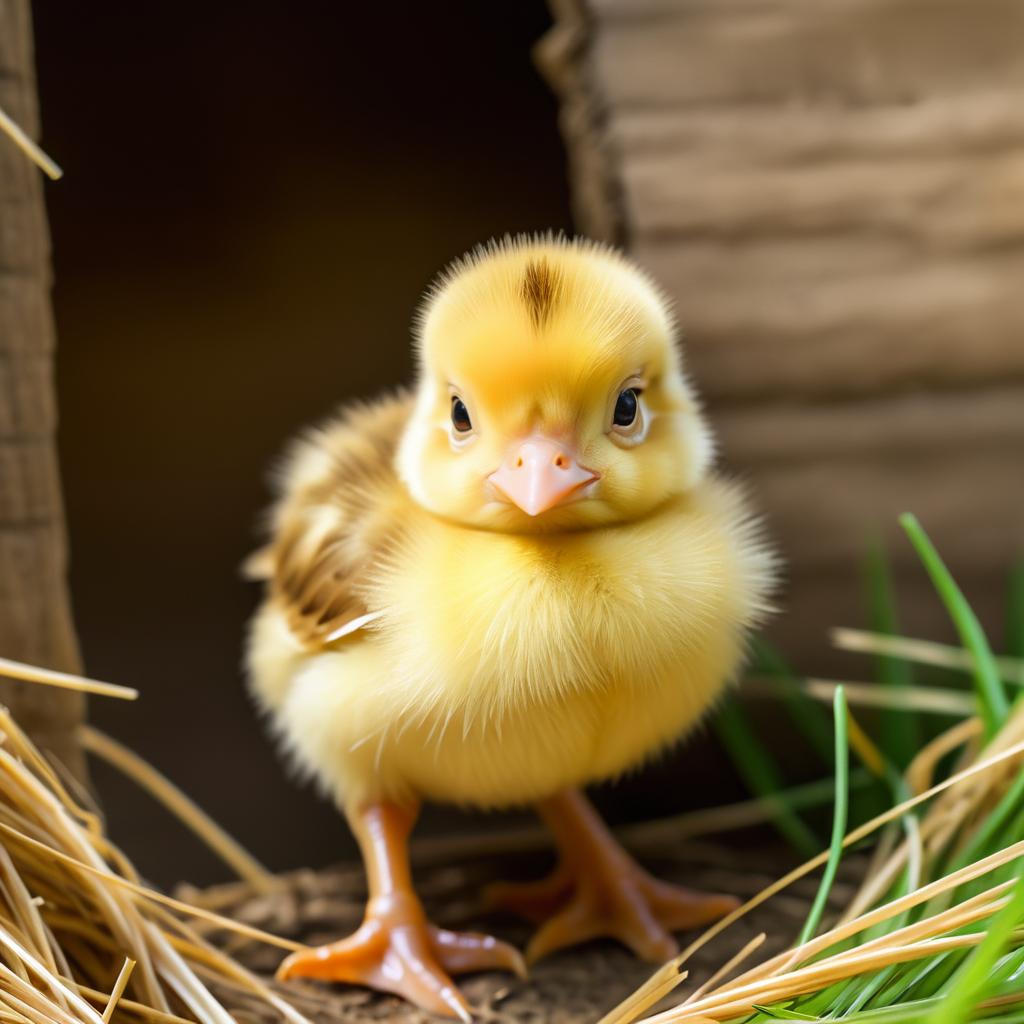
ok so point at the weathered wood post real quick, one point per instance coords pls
(35, 614)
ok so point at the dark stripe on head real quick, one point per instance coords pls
(539, 290)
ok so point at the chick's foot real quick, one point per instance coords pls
(397, 950)
(619, 900)
(599, 891)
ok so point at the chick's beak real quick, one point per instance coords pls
(540, 474)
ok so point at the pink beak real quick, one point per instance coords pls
(539, 475)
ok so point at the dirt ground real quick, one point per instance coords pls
(572, 987)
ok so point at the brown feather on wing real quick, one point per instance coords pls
(336, 520)
(313, 581)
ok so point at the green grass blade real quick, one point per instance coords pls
(775, 1013)
(900, 735)
(912, 976)
(916, 1011)
(904, 1013)
(992, 696)
(972, 979)
(759, 772)
(854, 993)
(871, 988)
(1010, 968)
(842, 754)
(913, 1012)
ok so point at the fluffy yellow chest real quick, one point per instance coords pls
(472, 616)
(548, 661)
(503, 668)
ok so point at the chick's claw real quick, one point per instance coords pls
(410, 959)
(461, 952)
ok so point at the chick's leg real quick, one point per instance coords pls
(396, 949)
(598, 890)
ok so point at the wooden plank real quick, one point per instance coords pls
(27, 402)
(13, 169)
(984, 120)
(26, 320)
(35, 627)
(887, 428)
(35, 617)
(23, 248)
(850, 52)
(935, 203)
(17, 173)
(31, 492)
(937, 322)
(15, 40)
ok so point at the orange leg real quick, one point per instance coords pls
(396, 949)
(598, 890)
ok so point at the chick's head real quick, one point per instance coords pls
(550, 392)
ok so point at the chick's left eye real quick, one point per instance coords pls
(460, 416)
(626, 407)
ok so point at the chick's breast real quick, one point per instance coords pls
(499, 668)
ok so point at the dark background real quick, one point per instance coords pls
(255, 197)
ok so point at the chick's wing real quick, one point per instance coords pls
(336, 519)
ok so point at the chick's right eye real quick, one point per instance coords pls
(626, 407)
(460, 416)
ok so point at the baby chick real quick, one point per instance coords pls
(515, 580)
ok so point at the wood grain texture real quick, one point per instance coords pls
(35, 616)
(833, 193)
(853, 52)
(563, 56)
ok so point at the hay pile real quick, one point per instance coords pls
(81, 938)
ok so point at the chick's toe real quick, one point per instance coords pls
(408, 957)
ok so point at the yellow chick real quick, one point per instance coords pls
(515, 580)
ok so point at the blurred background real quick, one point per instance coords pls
(256, 195)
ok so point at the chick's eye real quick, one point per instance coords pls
(460, 416)
(626, 407)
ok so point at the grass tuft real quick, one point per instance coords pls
(994, 704)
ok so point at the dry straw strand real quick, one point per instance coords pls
(162, 789)
(21, 139)
(64, 680)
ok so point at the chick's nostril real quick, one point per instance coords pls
(540, 474)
